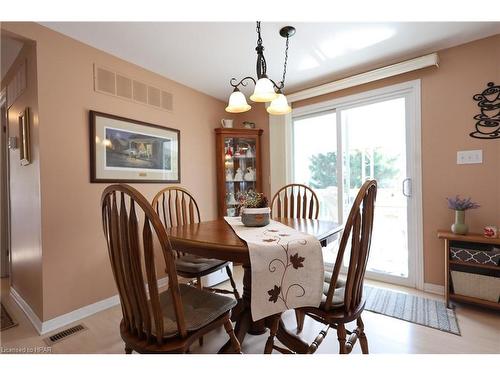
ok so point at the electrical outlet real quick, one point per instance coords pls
(470, 157)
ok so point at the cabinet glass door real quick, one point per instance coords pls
(240, 170)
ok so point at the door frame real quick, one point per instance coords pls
(5, 200)
(412, 93)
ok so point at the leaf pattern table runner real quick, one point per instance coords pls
(286, 265)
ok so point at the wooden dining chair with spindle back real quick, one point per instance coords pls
(153, 321)
(176, 206)
(295, 201)
(343, 299)
(300, 202)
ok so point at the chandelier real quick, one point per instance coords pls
(266, 90)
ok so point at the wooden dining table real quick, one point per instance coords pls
(216, 239)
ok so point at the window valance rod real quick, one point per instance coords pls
(370, 76)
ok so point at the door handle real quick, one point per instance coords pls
(405, 193)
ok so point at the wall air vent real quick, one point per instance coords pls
(64, 334)
(123, 86)
(107, 81)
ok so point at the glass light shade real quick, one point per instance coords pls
(279, 106)
(237, 103)
(264, 91)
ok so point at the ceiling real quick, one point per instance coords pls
(206, 55)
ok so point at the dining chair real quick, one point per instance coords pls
(342, 300)
(295, 201)
(153, 321)
(177, 206)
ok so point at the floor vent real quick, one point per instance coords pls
(64, 334)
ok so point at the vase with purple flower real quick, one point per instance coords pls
(460, 206)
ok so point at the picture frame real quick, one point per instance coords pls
(24, 137)
(133, 151)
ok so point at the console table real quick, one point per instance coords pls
(473, 238)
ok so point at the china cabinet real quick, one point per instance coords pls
(238, 166)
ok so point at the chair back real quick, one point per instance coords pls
(358, 228)
(295, 201)
(176, 206)
(131, 252)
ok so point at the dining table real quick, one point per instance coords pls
(216, 239)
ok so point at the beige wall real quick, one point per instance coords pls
(76, 269)
(447, 111)
(26, 245)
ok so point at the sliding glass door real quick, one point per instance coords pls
(374, 146)
(315, 160)
(336, 150)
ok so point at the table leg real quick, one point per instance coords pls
(242, 314)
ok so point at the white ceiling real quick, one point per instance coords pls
(205, 55)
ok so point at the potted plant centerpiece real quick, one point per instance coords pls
(460, 206)
(254, 209)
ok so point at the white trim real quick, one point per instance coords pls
(434, 288)
(28, 311)
(370, 76)
(412, 92)
(83, 312)
(71, 317)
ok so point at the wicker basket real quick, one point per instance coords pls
(474, 285)
(255, 217)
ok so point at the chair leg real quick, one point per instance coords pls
(128, 350)
(363, 342)
(275, 320)
(300, 317)
(341, 334)
(232, 337)
(233, 284)
(199, 286)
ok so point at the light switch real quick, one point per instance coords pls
(470, 157)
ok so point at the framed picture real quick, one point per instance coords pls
(125, 150)
(24, 137)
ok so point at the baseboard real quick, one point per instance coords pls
(434, 288)
(78, 314)
(71, 317)
(28, 311)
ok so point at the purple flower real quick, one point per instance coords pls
(459, 204)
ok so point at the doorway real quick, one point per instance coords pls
(4, 196)
(339, 144)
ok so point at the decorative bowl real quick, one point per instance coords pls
(255, 217)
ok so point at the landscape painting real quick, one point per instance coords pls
(125, 150)
(132, 150)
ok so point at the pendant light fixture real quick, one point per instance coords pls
(266, 90)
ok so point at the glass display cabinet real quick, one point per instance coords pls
(238, 166)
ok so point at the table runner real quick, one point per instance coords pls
(286, 266)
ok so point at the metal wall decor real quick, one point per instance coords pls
(24, 137)
(488, 121)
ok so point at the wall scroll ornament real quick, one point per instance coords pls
(488, 121)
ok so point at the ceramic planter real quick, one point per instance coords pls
(459, 227)
(255, 217)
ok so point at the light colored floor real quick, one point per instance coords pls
(480, 332)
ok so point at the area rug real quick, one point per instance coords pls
(6, 320)
(419, 310)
